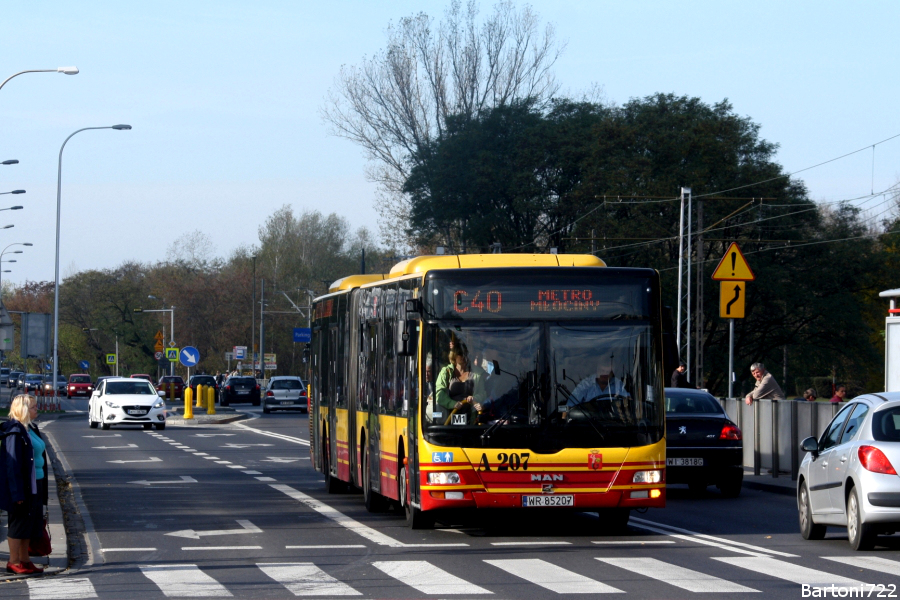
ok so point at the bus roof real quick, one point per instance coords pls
(423, 264)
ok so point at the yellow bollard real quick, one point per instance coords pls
(199, 396)
(210, 400)
(188, 403)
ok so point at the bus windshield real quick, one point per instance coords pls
(544, 385)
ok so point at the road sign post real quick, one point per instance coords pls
(733, 272)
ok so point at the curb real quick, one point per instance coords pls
(773, 488)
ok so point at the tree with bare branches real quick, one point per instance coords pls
(395, 103)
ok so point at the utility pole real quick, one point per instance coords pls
(262, 329)
(253, 320)
(698, 376)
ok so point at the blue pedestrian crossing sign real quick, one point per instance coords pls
(110, 359)
(172, 354)
(189, 356)
(84, 365)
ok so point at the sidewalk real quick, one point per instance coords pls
(783, 484)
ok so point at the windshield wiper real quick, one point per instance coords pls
(502, 420)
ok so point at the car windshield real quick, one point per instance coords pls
(129, 387)
(886, 425)
(80, 379)
(33, 378)
(286, 384)
(541, 386)
(695, 402)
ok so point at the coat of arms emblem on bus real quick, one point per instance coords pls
(595, 459)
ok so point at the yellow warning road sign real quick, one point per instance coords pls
(732, 298)
(159, 336)
(158, 346)
(733, 266)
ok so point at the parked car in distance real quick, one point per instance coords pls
(20, 381)
(167, 381)
(13, 378)
(284, 393)
(703, 446)
(142, 376)
(848, 477)
(4, 375)
(32, 383)
(61, 383)
(205, 381)
(79, 385)
(239, 389)
(126, 401)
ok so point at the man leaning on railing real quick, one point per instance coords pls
(766, 387)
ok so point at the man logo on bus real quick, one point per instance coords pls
(595, 459)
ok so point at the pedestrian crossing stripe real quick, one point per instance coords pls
(307, 579)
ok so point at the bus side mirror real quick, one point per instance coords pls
(407, 338)
(412, 309)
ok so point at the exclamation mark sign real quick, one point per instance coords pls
(733, 261)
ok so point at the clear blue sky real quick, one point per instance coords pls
(224, 100)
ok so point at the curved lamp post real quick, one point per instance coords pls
(66, 70)
(13, 192)
(56, 269)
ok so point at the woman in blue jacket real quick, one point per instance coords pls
(23, 483)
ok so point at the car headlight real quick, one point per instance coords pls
(111, 404)
(443, 478)
(159, 404)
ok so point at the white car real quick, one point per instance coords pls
(126, 401)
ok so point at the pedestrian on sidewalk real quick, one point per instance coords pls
(840, 393)
(808, 396)
(766, 386)
(23, 483)
(680, 378)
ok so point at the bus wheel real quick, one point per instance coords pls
(614, 521)
(374, 500)
(333, 485)
(415, 518)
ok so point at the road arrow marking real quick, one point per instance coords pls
(102, 436)
(237, 446)
(248, 527)
(213, 434)
(122, 462)
(113, 447)
(184, 479)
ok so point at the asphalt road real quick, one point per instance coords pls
(236, 511)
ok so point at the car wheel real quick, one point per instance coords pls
(256, 403)
(266, 410)
(860, 535)
(92, 423)
(808, 529)
(103, 424)
(159, 426)
(730, 486)
(416, 518)
(224, 402)
(148, 425)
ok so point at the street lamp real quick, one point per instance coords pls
(58, 210)
(66, 70)
(171, 311)
(13, 192)
(11, 161)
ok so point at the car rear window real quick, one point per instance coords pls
(886, 425)
(203, 380)
(80, 379)
(699, 403)
(171, 379)
(129, 387)
(242, 381)
(287, 384)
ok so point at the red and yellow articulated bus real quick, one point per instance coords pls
(492, 381)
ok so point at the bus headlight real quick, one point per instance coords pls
(646, 477)
(443, 478)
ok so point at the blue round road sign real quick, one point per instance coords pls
(84, 365)
(189, 356)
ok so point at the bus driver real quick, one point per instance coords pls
(604, 386)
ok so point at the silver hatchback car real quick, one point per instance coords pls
(847, 478)
(285, 393)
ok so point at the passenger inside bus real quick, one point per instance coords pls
(460, 387)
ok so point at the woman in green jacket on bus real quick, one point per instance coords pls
(460, 386)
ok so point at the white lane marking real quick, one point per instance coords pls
(280, 436)
(211, 457)
(184, 581)
(214, 434)
(236, 467)
(223, 462)
(267, 479)
(686, 579)
(121, 462)
(874, 563)
(531, 543)
(306, 579)
(246, 527)
(788, 571)
(114, 447)
(233, 446)
(427, 578)
(60, 589)
(694, 535)
(551, 577)
(252, 473)
(636, 542)
(325, 546)
(280, 459)
(103, 436)
(352, 524)
(184, 479)
(200, 454)
(201, 548)
(128, 550)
